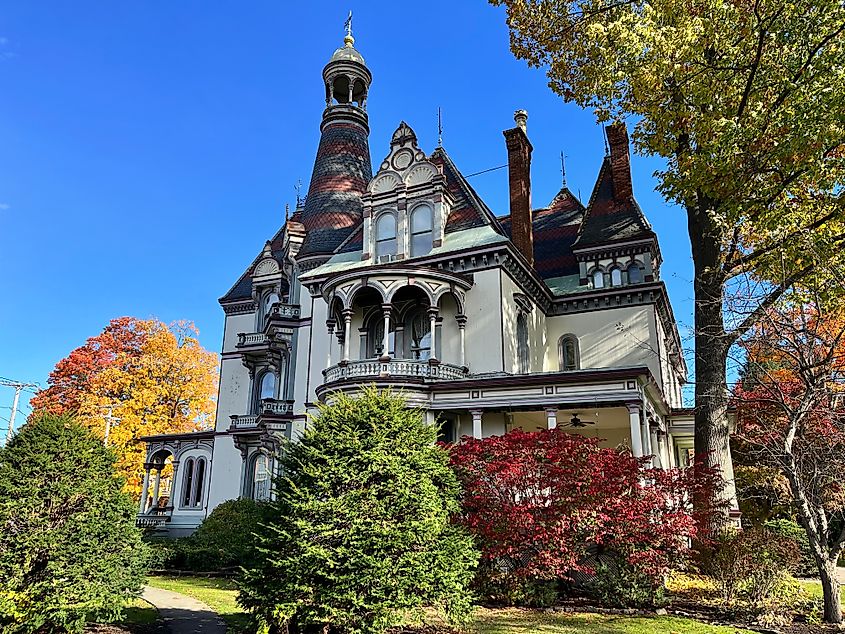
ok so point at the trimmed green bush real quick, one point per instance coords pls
(226, 538)
(360, 531)
(69, 549)
(621, 584)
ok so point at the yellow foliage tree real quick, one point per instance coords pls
(163, 381)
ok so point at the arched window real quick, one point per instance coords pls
(635, 273)
(567, 349)
(598, 278)
(375, 337)
(260, 478)
(187, 486)
(385, 236)
(268, 386)
(522, 351)
(421, 231)
(270, 299)
(418, 334)
(199, 479)
(615, 277)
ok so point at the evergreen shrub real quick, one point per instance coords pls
(69, 548)
(359, 533)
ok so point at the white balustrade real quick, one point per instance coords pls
(284, 310)
(399, 367)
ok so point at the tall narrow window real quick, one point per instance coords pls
(598, 278)
(568, 352)
(187, 486)
(615, 277)
(418, 334)
(385, 236)
(421, 231)
(635, 274)
(268, 386)
(522, 351)
(269, 300)
(196, 499)
(260, 478)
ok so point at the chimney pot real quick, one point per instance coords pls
(620, 162)
(520, 117)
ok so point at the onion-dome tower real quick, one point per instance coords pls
(342, 169)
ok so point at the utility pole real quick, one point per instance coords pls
(19, 387)
(109, 421)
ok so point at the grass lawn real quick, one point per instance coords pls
(219, 594)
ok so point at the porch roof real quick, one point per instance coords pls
(193, 435)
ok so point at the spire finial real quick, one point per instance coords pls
(287, 212)
(348, 40)
(563, 167)
(439, 128)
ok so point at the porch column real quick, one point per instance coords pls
(385, 344)
(462, 324)
(432, 315)
(174, 491)
(157, 484)
(645, 435)
(551, 417)
(330, 324)
(142, 506)
(476, 422)
(636, 438)
(347, 332)
(654, 444)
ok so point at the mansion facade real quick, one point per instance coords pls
(401, 276)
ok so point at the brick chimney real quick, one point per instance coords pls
(519, 177)
(620, 162)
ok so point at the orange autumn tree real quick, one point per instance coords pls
(791, 420)
(150, 378)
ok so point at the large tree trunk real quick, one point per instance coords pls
(830, 587)
(712, 343)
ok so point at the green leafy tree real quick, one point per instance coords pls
(745, 101)
(359, 533)
(69, 549)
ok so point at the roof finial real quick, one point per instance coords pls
(439, 128)
(348, 40)
(563, 167)
(298, 188)
(287, 212)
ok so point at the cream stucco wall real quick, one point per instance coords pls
(484, 323)
(613, 337)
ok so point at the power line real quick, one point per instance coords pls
(492, 169)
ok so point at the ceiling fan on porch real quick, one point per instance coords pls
(577, 422)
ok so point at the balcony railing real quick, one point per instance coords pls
(277, 408)
(284, 311)
(154, 518)
(399, 368)
(252, 339)
(244, 422)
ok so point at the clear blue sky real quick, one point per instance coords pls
(147, 149)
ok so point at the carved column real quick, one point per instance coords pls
(330, 324)
(157, 484)
(636, 437)
(385, 343)
(347, 331)
(476, 422)
(432, 316)
(142, 505)
(462, 325)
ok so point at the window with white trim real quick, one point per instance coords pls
(635, 273)
(615, 277)
(598, 278)
(422, 223)
(386, 243)
(522, 349)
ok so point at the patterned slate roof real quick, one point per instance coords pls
(342, 169)
(243, 287)
(555, 230)
(608, 219)
(469, 210)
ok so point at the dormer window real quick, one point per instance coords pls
(421, 231)
(598, 278)
(386, 237)
(635, 274)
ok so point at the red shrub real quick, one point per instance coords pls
(537, 501)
